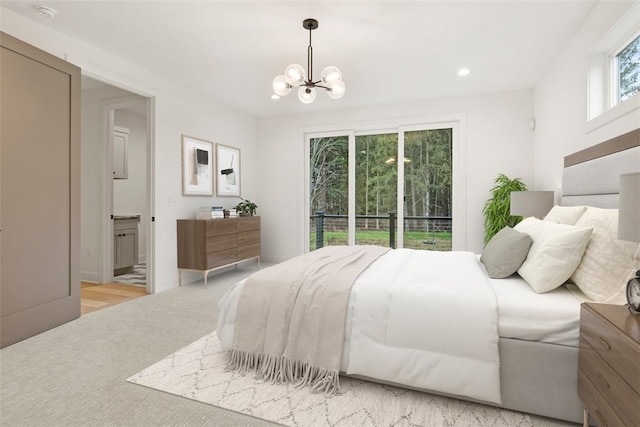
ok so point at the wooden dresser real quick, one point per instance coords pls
(609, 365)
(209, 244)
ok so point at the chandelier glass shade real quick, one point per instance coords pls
(295, 76)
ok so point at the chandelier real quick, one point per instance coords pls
(294, 75)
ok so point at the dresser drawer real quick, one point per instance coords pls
(249, 251)
(614, 389)
(225, 241)
(248, 237)
(216, 227)
(219, 258)
(601, 412)
(617, 349)
(246, 223)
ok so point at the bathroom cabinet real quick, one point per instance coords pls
(125, 243)
(120, 152)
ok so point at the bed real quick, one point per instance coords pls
(520, 337)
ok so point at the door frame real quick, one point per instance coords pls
(136, 88)
(109, 106)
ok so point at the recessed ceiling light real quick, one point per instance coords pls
(274, 96)
(463, 72)
(49, 12)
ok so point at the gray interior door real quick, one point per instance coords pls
(39, 189)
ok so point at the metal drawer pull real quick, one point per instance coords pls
(606, 344)
(603, 380)
(601, 418)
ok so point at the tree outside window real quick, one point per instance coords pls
(629, 70)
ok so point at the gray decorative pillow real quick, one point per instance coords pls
(505, 252)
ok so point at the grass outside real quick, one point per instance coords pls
(412, 239)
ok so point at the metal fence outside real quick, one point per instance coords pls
(421, 232)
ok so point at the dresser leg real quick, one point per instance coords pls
(179, 277)
(585, 419)
(204, 273)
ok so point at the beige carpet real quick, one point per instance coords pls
(198, 372)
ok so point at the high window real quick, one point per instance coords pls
(614, 71)
(627, 70)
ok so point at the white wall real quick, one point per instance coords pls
(178, 110)
(560, 100)
(496, 139)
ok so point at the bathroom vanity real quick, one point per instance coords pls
(125, 243)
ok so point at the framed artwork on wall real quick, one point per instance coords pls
(197, 167)
(227, 170)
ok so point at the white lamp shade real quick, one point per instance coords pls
(331, 75)
(280, 86)
(336, 90)
(294, 74)
(307, 94)
(531, 203)
(629, 208)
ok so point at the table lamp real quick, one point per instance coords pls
(531, 203)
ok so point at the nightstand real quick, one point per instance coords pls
(609, 365)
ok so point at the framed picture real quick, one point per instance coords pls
(197, 167)
(227, 171)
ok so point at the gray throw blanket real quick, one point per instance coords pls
(291, 317)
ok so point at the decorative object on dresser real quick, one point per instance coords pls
(629, 228)
(227, 170)
(208, 212)
(210, 244)
(197, 167)
(246, 207)
(609, 372)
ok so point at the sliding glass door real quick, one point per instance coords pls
(376, 196)
(428, 189)
(361, 193)
(328, 190)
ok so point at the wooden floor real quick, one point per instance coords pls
(95, 297)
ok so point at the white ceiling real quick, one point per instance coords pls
(388, 51)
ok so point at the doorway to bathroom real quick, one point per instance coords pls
(117, 219)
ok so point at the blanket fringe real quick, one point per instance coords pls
(280, 369)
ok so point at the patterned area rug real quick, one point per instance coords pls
(198, 372)
(137, 277)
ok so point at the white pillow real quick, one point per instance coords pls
(565, 214)
(608, 262)
(555, 252)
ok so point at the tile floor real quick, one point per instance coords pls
(137, 277)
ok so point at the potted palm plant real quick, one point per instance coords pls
(496, 210)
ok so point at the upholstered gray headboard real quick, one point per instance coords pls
(592, 176)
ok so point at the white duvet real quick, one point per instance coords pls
(417, 318)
